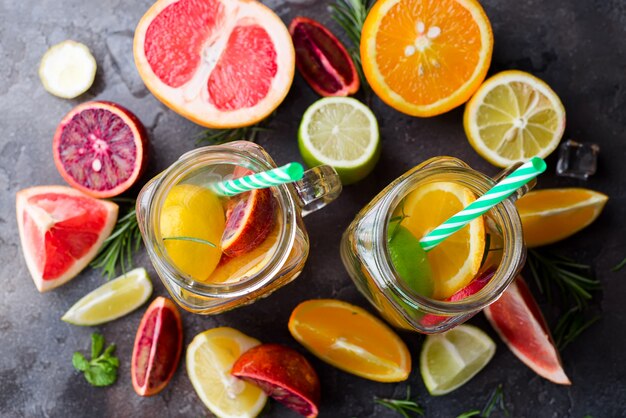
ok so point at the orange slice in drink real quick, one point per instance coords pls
(554, 214)
(350, 339)
(454, 262)
(425, 57)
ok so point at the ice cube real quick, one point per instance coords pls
(577, 160)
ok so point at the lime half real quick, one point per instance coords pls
(451, 359)
(343, 133)
(112, 300)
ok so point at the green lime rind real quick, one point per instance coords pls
(112, 300)
(346, 137)
(410, 260)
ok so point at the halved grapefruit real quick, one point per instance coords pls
(219, 63)
(61, 230)
(519, 322)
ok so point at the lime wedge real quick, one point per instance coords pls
(112, 300)
(451, 359)
(409, 260)
(67, 69)
(343, 133)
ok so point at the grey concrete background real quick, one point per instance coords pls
(577, 46)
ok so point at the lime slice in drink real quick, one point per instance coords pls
(451, 359)
(343, 133)
(67, 69)
(409, 260)
(112, 300)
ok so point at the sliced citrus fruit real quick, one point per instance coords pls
(210, 358)
(512, 117)
(322, 60)
(67, 69)
(551, 215)
(410, 260)
(218, 63)
(425, 57)
(100, 148)
(282, 373)
(519, 322)
(61, 230)
(350, 339)
(454, 262)
(112, 300)
(450, 359)
(157, 349)
(343, 133)
(191, 211)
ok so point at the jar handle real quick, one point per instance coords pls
(319, 186)
(522, 190)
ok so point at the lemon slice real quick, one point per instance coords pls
(454, 262)
(210, 357)
(451, 359)
(512, 117)
(112, 300)
(67, 69)
(343, 133)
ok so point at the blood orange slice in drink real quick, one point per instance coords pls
(100, 148)
(61, 230)
(218, 63)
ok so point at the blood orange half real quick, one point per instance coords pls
(61, 230)
(219, 63)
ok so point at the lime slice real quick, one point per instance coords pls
(67, 69)
(343, 133)
(451, 359)
(512, 117)
(112, 300)
(410, 260)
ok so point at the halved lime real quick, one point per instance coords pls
(343, 133)
(451, 359)
(112, 300)
(67, 69)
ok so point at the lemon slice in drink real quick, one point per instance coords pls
(112, 300)
(210, 357)
(451, 359)
(512, 117)
(67, 69)
(343, 133)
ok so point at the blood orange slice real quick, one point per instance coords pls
(61, 230)
(519, 322)
(218, 63)
(157, 349)
(100, 148)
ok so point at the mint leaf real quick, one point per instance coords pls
(99, 376)
(80, 362)
(97, 344)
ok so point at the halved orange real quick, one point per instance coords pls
(454, 262)
(425, 57)
(350, 339)
(220, 63)
(551, 215)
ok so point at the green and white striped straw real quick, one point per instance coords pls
(286, 174)
(505, 188)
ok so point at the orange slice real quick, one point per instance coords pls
(454, 262)
(350, 339)
(425, 57)
(554, 214)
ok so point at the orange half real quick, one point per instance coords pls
(426, 57)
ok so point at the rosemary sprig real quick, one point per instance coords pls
(192, 239)
(118, 248)
(404, 406)
(571, 325)
(495, 402)
(397, 220)
(619, 266)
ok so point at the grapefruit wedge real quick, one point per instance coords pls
(517, 319)
(61, 230)
(219, 63)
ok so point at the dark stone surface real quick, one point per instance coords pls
(576, 46)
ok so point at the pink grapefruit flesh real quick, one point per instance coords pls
(157, 349)
(322, 60)
(61, 230)
(282, 373)
(100, 149)
(518, 320)
(220, 63)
